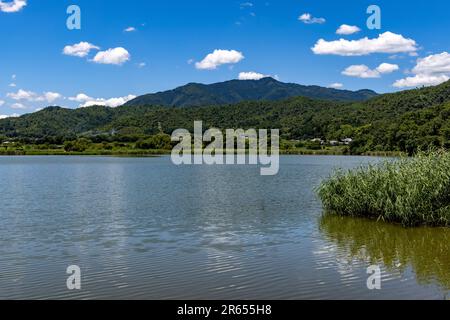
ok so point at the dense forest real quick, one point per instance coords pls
(404, 121)
(235, 91)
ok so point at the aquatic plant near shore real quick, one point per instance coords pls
(411, 191)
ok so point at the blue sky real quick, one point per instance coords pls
(171, 41)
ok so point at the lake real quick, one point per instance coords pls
(142, 228)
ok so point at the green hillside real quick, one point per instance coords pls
(403, 121)
(235, 91)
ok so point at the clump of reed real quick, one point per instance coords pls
(411, 191)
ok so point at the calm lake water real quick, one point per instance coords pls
(143, 228)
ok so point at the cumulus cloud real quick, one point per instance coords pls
(421, 80)
(87, 101)
(429, 71)
(307, 18)
(387, 42)
(345, 29)
(218, 58)
(80, 50)
(51, 96)
(4, 116)
(112, 102)
(364, 72)
(336, 85)
(130, 29)
(360, 71)
(385, 68)
(433, 64)
(23, 95)
(81, 97)
(116, 56)
(12, 6)
(252, 76)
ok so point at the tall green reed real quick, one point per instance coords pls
(411, 191)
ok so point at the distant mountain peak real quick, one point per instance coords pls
(235, 91)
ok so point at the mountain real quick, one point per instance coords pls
(402, 121)
(235, 91)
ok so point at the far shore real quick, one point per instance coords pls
(155, 153)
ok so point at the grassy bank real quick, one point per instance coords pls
(137, 153)
(131, 149)
(31, 150)
(96, 152)
(411, 191)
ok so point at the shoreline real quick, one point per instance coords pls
(158, 153)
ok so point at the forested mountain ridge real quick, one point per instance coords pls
(403, 121)
(235, 91)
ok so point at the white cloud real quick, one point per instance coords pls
(81, 97)
(364, 72)
(141, 65)
(80, 50)
(433, 64)
(385, 68)
(387, 42)
(2, 103)
(218, 58)
(12, 85)
(130, 29)
(421, 80)
(252, 76)
(13, 77)
(361, 71)
(112, 102)
(18, 106)
(336, 85)
(307, 18)
(22, 95)
(116, 56)
(51, 96)
(345, 29)
(4, 116)
(12, 6)
(429, 71)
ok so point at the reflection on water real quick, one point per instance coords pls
(143, 228)
(425, 250)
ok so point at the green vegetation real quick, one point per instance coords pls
(235, 91)
(411, 191)
(141, 145)
(396, 123)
